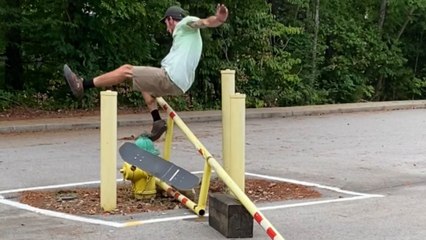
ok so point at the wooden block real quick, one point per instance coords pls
(229, 217)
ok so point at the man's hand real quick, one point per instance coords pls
(221, 13)
(213, 21)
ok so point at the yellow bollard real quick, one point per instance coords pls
(108, 150)
(228, 88)
(237, 134)
(169, 139)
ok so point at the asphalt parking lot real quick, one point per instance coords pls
(371, 167)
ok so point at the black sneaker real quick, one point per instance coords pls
(158, 128)
(74, 82)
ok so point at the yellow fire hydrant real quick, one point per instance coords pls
(143, 184)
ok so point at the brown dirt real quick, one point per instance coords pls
(86, 201)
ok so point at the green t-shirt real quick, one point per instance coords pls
(184, 55)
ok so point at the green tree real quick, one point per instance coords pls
(290, 52)
(362, 51)
(13, 40)
(252, 42)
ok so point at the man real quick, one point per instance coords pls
(177, 71)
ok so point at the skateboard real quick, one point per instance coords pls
(158, 167)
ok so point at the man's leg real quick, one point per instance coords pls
(114, 77)
(159, 125)
(146, 78)
(154, 82)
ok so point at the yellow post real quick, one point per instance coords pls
(169, 139)
(108, 150)
(205, 182)
(228, 88)
(237, 135)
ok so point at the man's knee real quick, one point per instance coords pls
(125, 71)
(149, 99)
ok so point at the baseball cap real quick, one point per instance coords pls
(175, 12)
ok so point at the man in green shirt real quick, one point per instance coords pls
(177, 72)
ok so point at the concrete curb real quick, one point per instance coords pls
(39, 125)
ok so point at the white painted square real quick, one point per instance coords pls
(355, 196)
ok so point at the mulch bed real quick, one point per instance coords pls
(86, 200)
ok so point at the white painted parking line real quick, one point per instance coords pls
(304, 204)
(309, 184)
(356, 196)
(51, 187)
(159, 220)
(59, 214)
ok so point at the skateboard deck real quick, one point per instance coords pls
(158, 167)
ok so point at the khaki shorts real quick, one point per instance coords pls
(154, 81)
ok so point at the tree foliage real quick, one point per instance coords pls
(290, 52)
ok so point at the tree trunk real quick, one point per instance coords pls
(404, 26)
(315, 44)
(381, 80)
(382, 14)
(13, 63)
(416, 63)
(296, 14)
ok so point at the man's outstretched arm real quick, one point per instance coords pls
(214, 21)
